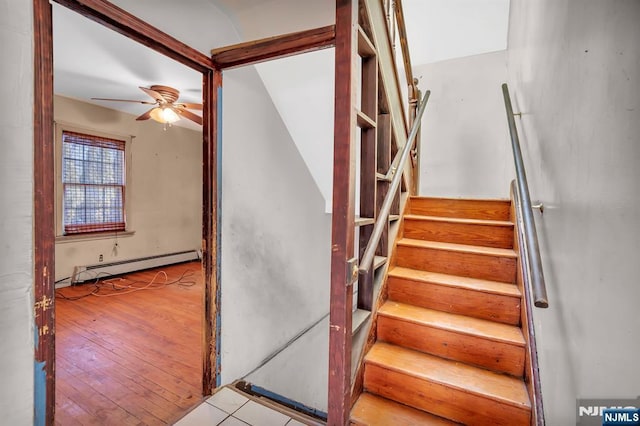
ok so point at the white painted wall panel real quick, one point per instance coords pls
(275, 238)
(302, 89)
(574, 68)
(16, 213)
(465, 147)
(439, 30)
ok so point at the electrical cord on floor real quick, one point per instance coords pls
(118, 289)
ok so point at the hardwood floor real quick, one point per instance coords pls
(134, 358)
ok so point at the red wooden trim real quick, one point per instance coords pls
(211, 197)
(43, 216)
(343, 220)
(136, 29)
(280, 46)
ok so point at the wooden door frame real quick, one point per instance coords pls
(136, 29)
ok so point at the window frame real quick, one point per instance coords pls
(61, 127)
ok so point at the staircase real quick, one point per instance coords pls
(449, 347)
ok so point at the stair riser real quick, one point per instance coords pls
(373, 410)
(497, 356)
(488, 267)
(477, 304)
(459, 233)
(465, 209)
(442, 400)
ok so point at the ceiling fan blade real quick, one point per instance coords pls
(155, 95)
(188, 114)
(188, 105)
(124, 100)
(145, 116)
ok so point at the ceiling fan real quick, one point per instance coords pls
(166, 109)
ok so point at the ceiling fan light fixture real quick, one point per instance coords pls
(164, 115)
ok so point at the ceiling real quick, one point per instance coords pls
(93, 61)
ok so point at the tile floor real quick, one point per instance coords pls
(230, 408)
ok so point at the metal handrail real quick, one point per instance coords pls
(383, 216)
(528, 223)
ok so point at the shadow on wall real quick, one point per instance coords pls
(275, 242)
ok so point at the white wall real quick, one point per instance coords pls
(438, 30)
(302, 89)
(574, 68)
(16, 213)
(301, 86)
(306, 367)
(465, 148)
(275, 237)
(165, 187)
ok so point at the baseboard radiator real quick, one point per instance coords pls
(102, 270)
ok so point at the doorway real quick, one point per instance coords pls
(44, 178)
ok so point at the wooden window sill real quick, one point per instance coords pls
(93, 236)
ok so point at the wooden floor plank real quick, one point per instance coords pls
(132, 358)
(91, 356)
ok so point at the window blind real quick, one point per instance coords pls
(93, 181)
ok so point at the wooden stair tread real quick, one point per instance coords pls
(459, 220)
(461, 207)
(476, 284)
(460, 248)
(457, 323)
(461, 199)
(473, 380)
(374, 410)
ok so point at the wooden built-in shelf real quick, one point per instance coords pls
(358, 318)
(365, 122)
(366, 49)
(382, 177)
(379, 261)
(362, 221)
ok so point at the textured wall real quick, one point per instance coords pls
(465, 148)
(16, 213)
(574, 66)
(275, 239)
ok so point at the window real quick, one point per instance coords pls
(93, 177)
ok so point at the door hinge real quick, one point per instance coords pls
(352, 271)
